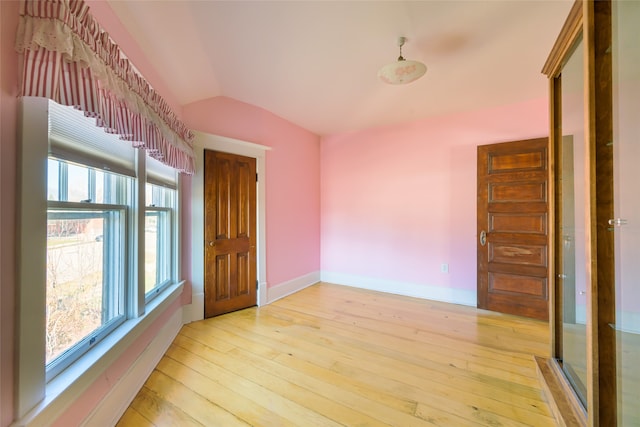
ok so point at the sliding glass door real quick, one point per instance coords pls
(626, 222)
(594, 71)
(574, 193)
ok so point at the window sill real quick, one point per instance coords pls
(69, 385)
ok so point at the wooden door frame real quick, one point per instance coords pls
(204, 141)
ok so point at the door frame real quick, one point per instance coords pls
(223, 144)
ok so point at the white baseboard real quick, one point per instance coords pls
(581, 314)
(262, 294)
(628, 321)
(436, 293)
(287, 288)
(194, 311)
(116, 402)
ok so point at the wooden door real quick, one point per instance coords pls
(512, 228)
(229, 233)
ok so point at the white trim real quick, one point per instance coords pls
(581, 314)
(292, 286)
(120, 396)
(436, 293)
(628, 321)
(30, 374)
(262, 294)
(194, 311)
(201, 142)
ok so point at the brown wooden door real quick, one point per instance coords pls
(229, 232)
(512, 214)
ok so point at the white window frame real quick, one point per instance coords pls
(39, 401)
(76, 351)
(164, 262)
(161, 177)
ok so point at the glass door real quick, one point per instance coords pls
(574, 193)
(626, 221)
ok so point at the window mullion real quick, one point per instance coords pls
(163, 245)
(63, 181)
(137, 240)
(109, 259)
(92, 185)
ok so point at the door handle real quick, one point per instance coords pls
(212, 243)
(483, 237)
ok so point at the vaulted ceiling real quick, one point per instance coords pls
(314, 63)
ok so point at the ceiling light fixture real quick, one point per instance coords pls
(402, 71)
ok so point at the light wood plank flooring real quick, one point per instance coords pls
(332, 355)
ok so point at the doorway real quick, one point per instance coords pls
(512, 217)
(230, 232)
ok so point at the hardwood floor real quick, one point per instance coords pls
(332, 355)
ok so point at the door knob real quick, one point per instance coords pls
(212, 243)
(483, 237)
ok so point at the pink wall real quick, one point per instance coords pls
(8, 122)
(397, 202)
(293, 180)
(108, 20)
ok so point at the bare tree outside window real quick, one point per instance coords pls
(74, 285)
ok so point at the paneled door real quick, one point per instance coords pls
(229, 232)
(512, 228)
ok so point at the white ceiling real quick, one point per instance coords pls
(314, 63)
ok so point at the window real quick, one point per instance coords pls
(161, 199)
(86, 258)
(109, 240)
(158, 238)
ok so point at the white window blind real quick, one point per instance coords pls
(76, 139)
(160, 174)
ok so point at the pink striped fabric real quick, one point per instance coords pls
(88, 71)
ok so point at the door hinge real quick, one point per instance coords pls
(256, 177)
(256, 285)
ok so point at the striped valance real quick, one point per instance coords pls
(71, 60)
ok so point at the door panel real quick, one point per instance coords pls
(222, 277)
(523, 254)
(230, 232)
(221, 203)
(516, 284)
(512, 214)
(511, 162)
(510, 192)
(535, 223)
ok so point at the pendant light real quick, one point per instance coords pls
(402, 71)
